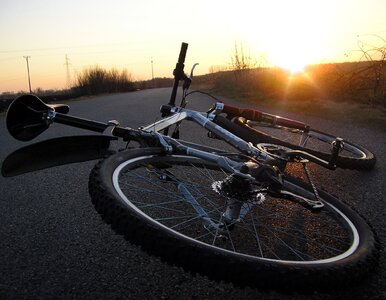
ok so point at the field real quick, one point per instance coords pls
(352, 92)
(348, 92)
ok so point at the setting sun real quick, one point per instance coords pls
(297, 35)
(292, 62)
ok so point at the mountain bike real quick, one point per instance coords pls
(231, 215)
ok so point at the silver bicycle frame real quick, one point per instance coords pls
(205, 120)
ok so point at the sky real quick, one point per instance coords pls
(62, 38)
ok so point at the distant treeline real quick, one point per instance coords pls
(355, 81)
(46, 96)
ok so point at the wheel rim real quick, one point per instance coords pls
(277, 230)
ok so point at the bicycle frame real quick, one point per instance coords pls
(205, 120)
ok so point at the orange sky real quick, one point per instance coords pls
(125, 34)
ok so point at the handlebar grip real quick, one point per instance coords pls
(258, 116)
(250, 114)
(184, 48)
(290, 123)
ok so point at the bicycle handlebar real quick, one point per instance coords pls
(178, 73)
(183, 50)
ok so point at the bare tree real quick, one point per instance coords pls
(240, 61)
(370, 74)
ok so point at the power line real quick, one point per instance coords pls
(50, 48)
(120, 45)
(10, 58)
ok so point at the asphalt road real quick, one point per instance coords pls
(53, 245)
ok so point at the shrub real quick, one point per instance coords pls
(96, 80)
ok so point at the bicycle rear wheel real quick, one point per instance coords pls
(169, 205)
(312, 141)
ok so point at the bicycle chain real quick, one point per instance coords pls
(307, 171)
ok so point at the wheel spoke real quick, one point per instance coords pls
(180, 196)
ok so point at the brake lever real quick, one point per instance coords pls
(188, 79)
(191, 71)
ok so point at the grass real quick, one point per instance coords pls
(321, 92)
(351, 112)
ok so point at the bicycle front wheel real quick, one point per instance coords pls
(169, 205)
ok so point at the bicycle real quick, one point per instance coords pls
(235, 216)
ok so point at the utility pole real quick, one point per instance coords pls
(29, 79)
(67, 63)
(152, 72)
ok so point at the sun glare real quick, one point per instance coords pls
(297, 36)
(291, 64)
(297, 52)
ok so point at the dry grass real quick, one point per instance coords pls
(348, 112)
(351, 112)
(325, 91)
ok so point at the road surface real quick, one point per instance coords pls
(53, 245)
